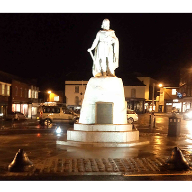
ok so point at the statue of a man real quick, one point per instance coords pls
(106, 57)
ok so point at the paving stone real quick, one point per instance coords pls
(130, 165)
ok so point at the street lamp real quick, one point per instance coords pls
(49, 92)
(152, 111)
(160, 85)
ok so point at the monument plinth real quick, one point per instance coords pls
(103, 120)
(104, 102)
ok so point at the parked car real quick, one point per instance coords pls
(55, 114)
(15, 116)
(187, 114)
(131, 116)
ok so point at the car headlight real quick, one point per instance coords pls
(189, 114)
(58, 130)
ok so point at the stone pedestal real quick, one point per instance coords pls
(103, 121)
(106, 91)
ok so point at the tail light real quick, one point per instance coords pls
(41, 114)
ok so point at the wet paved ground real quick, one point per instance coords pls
(57, 160)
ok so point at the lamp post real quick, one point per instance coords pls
(49, 92)
(152, 111)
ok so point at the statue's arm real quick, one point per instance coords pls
(95, 42)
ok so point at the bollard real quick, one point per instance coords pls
(20, 162)
(152, 118)
(177, 161)
(154, 121)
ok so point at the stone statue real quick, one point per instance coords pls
(106, 57)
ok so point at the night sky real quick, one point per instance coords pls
(49, 46)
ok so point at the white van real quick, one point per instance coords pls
(55, 114)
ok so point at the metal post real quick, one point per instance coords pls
(152, 106)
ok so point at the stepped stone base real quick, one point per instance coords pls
(108, 144)
(102, 136)
(106, 135)
(102, 127)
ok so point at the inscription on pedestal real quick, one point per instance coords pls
(104, 113)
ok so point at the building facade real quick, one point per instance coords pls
(135, 98)
(149, 84)
(4, 97)
(134, 91)
(74, 92)
(52, 98)
(18, 94)
(168, 100)
(185, 89)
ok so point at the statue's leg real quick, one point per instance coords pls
(103, 66)
(110, 70)
(98, 68)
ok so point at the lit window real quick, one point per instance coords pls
(36, 94)
(76, 89)
(33, 94)
(8, 90)
(29, 93)
(173, 91)
(3, 89)
(56, 98)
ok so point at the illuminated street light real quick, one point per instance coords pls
(153, 94)
(49, 92)
(160, 85)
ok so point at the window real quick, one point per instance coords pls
(173, 91)
(25, 93)
(66, 111)
(21, 92)
(29, 93)
(3, 89)
(16, 90)
(8, 90)
(36, 94)
(33, 94)
(56, 98)
(76, 100)
(51, 110)
(76, 89)
(133, 93)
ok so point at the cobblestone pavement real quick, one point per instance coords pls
(97, 166)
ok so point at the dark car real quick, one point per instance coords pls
(15, 116)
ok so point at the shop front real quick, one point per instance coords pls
(173, 105)
(136, 104)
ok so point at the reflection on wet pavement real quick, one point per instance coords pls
(42, 144)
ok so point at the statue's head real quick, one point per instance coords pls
(105, 24)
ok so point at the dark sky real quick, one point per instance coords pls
(48, 46)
